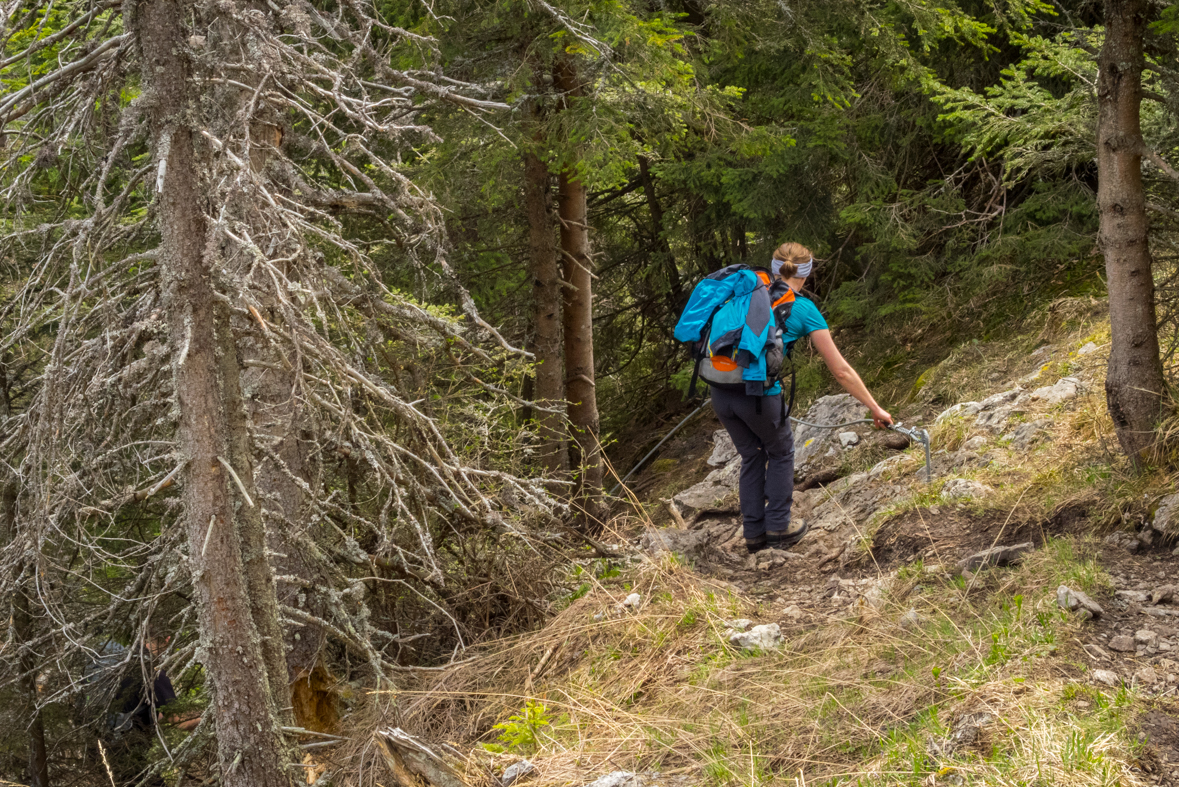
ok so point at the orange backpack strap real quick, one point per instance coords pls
(787, 297)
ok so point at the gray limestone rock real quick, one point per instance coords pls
(1163, 594)
(689, 543)
(962, 409)
(1166, 517)
(517, 771)
(1108, 677)
(715, 487)
(1146, 637)
(810, 442)
(962, 489)
(996, 556)
(772, 558)
(1065, 388)
(1088, 347)
(995, 419)
(848, 439)
(723, 450)
(1123, 540)
(975, 443)
(617, 779)
(1024, 435)
(848, 502)
(764, 637)
(1146, 676)
(1072, 600)
(897, 464)
(1122, 644)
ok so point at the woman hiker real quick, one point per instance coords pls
(762, 435)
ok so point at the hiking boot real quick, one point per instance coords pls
(754, 545)
(784, 539)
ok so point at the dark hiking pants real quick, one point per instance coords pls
(766, 447)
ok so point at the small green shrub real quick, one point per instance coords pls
(519, 732)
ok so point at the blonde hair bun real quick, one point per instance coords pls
(792, 256)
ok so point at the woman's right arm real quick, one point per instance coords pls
(847, 377)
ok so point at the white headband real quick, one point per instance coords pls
(803, 271)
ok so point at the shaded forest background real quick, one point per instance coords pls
(439, 248)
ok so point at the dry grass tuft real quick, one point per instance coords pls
(853, 696)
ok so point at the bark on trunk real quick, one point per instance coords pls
(675, 287)
(585, 455)
(1134, 384)
(251, 531)
(274, 412)
(22, 622)
(267, 404)
(249, 743)
(546, 312)
(22, 631)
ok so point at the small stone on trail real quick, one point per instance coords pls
(792, 612)
(1146, 676)
(1124, 540)
(847, 439)
(517, 771)
(616, 779)
(764, 637)
(1163, 594)
(772, 558)
(974, 443)
(1071, 600)
(1122, 644)
(1095, 651)
(1146, 637)
(962, 489)
(1090, 347)
(1107, 677)
(995, 556)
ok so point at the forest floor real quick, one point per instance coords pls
(867, 653)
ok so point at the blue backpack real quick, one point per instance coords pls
(734, 323)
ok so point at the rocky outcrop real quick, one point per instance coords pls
(996, 556)
(671, 540)
(963, 489)
(764, 637)
(812, 443)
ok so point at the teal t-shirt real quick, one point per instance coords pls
(804, 319)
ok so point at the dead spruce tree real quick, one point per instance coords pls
(204, 362)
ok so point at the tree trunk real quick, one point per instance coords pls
(585, 454)
(249, 743)
(675, 287)
(22, 621)
(22, 632)
(251, 531)
(546, 312)
(1134, 383)
(274, 412)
